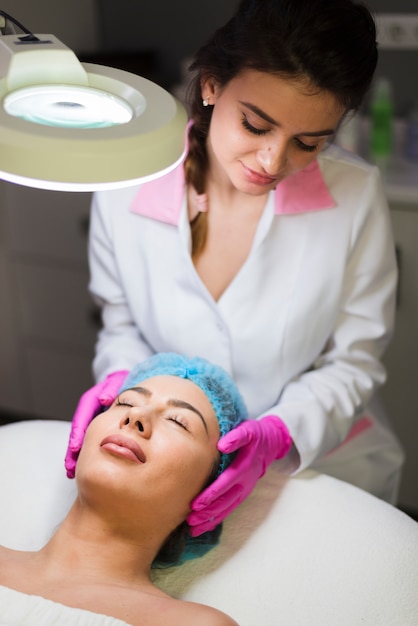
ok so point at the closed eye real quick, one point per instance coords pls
(252, 129)
(120, 402)
(263, 131)
(178, 419)
(304, 146)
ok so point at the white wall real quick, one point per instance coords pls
(74, 22)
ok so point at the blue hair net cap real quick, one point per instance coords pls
(225, 399)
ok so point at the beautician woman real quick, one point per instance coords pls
(268, 252)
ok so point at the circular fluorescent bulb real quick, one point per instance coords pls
(68, 106)
(117, 131)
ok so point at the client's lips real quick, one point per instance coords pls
(124, 446)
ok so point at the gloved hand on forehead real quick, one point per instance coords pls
(257, 443)
(91, 403)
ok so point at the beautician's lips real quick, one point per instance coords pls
(257, 177)
(124, 446)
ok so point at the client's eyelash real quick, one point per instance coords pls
(120, 402)
(178, 420)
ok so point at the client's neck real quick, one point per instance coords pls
(103, 547)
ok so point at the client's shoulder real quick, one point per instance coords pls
(178, 612)
(206, 616)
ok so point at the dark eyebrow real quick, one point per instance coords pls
(142, 390)
(181, 404)
(255, 109)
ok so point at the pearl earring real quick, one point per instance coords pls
(205, 102)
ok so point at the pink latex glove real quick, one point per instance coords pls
(259, 443)
(90, 404)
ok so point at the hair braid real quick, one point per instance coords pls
(196, 165)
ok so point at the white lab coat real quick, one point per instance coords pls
(301, 328)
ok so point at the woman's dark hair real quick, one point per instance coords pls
(329, 44)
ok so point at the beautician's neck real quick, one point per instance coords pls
(229, 201)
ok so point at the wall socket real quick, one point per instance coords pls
(397, 31)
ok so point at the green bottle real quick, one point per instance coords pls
(381, 119)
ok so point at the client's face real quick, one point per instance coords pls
(157, 444)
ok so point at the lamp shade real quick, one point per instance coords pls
(67, 125)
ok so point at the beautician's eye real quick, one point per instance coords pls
(252, 129)
(304, 146)
(178, 419)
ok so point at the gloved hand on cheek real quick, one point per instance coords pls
(257, 444)
(91, 403)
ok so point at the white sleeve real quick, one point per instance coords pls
(119, 345)
(320, 405)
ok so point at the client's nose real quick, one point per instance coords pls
(138, 421)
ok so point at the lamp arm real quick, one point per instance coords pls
(30, 36)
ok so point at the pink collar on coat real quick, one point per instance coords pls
(162, 199)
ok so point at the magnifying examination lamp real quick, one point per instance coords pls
(72, 126)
